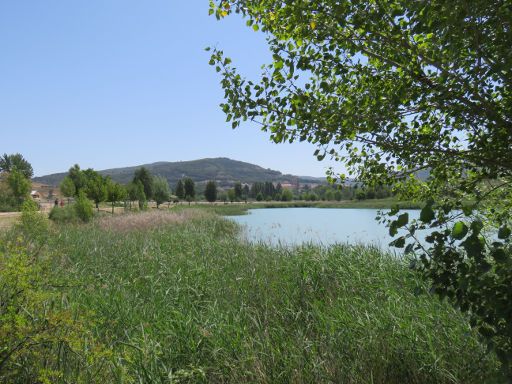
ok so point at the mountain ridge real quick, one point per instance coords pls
(223, 170)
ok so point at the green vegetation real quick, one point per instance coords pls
(15, 173)
(210, 192)
(67, 187)
(16, 162)
(189, 188)
(43, 337)
(180, 189)
(161, 190)
(116, 192)
(144, 176)
(394, 89)
(80, 211)
(176, 297)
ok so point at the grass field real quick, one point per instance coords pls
(7, 220)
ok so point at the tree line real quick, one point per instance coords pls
(15, 174)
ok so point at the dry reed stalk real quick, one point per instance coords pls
(146, 220)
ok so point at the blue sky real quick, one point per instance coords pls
(112, 83)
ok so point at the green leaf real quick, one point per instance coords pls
(278, 64)
(427, 214)
(402, 220)
(393, 229)
(504, 232)
(499, 255)
(459, 230)
(398, 243)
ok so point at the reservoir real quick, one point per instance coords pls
(319, 226)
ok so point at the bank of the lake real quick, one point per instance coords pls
(177, 297)
(241, 208)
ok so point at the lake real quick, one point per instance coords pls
(322, 226)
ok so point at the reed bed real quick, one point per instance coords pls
(147, 220)
(177, 298)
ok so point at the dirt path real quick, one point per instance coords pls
(7, 219)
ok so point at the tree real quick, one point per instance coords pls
(140, 195)
(180, 190)
(231, 195)
(245, 192)
(143, 175)
(83, 207)
(132, 192)
(16, 162)
(286, 195)
(238, 190)
(190, 189)
(210, 192)
(78, 177)
(67, 187)
(161, 191)
(394, 88)
(278, 191)
(19, 185)
(115, 192)
(269, 190)
(96, 188)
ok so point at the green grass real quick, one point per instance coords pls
(189, 302)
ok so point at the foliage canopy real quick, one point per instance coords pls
(16, 162)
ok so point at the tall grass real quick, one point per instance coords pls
(186, 301)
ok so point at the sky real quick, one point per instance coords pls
(115, 83)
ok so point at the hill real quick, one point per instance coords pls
(223, 170)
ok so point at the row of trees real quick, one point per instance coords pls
(98, 188)
(16, 173)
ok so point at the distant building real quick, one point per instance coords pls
(35, 195)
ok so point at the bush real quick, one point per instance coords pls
(65, 214)
(83, 208)
(42, 339)
(33, 224)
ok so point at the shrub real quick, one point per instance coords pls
(65, 214)
(83, 208)
(42, 339)
(33, 224)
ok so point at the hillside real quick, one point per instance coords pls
(223, 170)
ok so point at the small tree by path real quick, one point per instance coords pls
(161, 190)
(144, 176)
(67, 187)
(115, 192)
(190, 189)
(96, 188)
(180, 190)
(20, 186)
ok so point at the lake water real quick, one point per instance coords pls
(323, 226)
